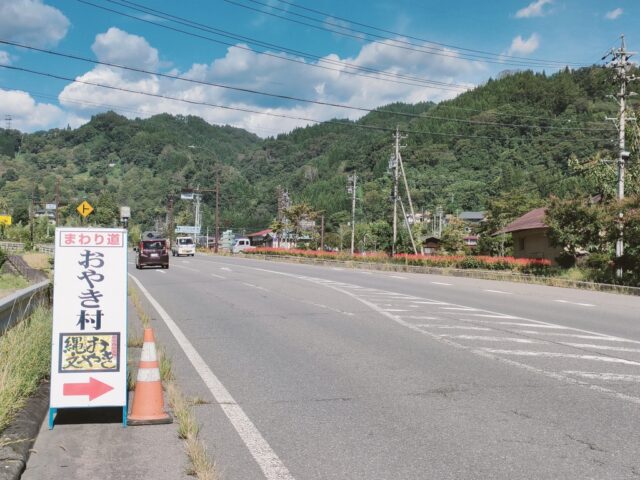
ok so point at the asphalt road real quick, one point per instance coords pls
(326, 373)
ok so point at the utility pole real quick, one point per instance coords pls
(215, 245)
(170, 219)
(57, 200)
(353, 181)
(622, 66)
(198, 221)
(322, 233)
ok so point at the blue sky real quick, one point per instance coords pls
(324, 51)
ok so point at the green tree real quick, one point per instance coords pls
(452, 240)
(107, 211)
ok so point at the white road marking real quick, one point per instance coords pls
(480, 352)
(420, 317)
(442, 283)
(394, 310)
(337, 269)
(491, 339)
(365, 273)
(614, 377)
(185, 268)
(254, 286)
(453, 327)
(327, 307)
(576, 303)
(528, 353)
(161, 271)
(604, 338)
(464, 309)
(499, 291)
(485, 315)
(428, 303)
(398, 277)
(218, 276)
(516, 324)
(226, 269)
(263, 454)
(603, 347)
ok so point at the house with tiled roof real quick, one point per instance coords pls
(530, 236)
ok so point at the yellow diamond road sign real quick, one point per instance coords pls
(84, 209)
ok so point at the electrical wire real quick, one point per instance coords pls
(455, 47)
(397, 43)
(297, 99)
(419, 82)
(200, 26)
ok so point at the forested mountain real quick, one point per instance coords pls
(510, 138)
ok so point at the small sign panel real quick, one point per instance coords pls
(188, 229)
(84, 209)
(5, 219)
(50, 206)
(89, 354)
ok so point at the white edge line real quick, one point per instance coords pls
(266, 458)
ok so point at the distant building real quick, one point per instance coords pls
(530, 239)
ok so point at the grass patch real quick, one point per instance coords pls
(166, 368)
(10, 282)
(25, 358)
(135, 340)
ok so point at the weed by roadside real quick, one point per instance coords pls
(25, 360)
(188, 429)
(10, 282)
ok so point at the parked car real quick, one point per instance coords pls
(183, 246)
(240, 245)
(152, 252)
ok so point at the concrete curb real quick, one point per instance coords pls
(21, 434)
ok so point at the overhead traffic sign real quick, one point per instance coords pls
(89, 344)
(84, 209)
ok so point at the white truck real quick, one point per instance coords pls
(183, 246)
(240, 245)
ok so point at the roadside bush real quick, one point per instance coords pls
(532, 266)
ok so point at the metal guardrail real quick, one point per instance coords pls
(19, 305)
(41, 247)
(12, 246)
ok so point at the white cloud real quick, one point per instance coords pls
(245, 68)
(5, 58)
(534, 9)
(520, 46)
(29, 115)
(31, 22)
(613, 14)
(117, 46)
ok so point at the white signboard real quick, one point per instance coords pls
(188, 229)
(89, 344)
(50, 206)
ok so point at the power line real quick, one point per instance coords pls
(200, 26)
(415, 81)
(398, 43)
(330, 15)
(298, 99)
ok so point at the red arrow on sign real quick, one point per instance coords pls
(94, 388)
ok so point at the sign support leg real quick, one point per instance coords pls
(52, 415)
(124, 416)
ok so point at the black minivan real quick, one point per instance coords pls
(153, 252)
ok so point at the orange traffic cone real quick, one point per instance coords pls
(148, 404)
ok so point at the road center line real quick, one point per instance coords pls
(265, 457)
(442, 283)
(499, 291)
